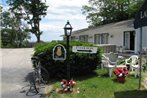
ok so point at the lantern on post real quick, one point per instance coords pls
(68, 30)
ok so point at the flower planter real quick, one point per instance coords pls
(121, 79)
(121, 73)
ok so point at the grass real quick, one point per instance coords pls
(99, 85)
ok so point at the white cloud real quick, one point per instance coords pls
(57, 3)
(65, 9)
(48, 27)
(68, 16)
(59, 11)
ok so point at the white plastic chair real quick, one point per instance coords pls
(132, 61)
(107, 64)
(112, 57)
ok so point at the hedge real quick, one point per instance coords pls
(80, 63)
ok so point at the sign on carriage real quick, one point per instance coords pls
(59, 52)
(84, 49)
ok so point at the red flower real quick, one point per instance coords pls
(72, 83)
(119, 72)
(65, 84)
(116, 72)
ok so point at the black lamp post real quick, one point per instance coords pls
(67, 31)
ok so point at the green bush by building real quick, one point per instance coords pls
(80, 63)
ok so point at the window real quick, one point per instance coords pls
(101, 38)
(97, 38)
(127, 40)
(104, 38)
(73, 38)
(83, 38)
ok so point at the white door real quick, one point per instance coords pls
(127, 40)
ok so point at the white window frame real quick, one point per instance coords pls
(83, 38)
(73, 38)
(101, 38)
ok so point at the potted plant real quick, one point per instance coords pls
(121, 73)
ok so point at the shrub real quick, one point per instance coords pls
(80, 63)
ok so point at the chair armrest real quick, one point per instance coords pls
(110, 62)
(126, 61)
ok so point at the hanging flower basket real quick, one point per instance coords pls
(121, 73)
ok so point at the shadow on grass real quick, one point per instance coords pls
(105, 75)
(131, 94)
(114, 80)
(86, 76)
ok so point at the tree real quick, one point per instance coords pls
(106, 11)
(30, 10)
(13, 32)
(1, 9)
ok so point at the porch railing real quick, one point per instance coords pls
(107, 48)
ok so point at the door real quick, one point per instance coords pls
(132, 40)
(129, 40)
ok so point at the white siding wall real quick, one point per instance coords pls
(116, 35)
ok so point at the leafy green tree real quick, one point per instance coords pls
(1, 9)
(106, 11)
(30, 10)
(13, 32)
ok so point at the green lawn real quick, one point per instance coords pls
(100, 85)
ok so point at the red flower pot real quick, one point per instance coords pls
(121, 79)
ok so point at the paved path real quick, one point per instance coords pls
(15, 72)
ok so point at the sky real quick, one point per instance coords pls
(59, 11)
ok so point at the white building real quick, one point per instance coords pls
(121, 34)
(131, 34)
